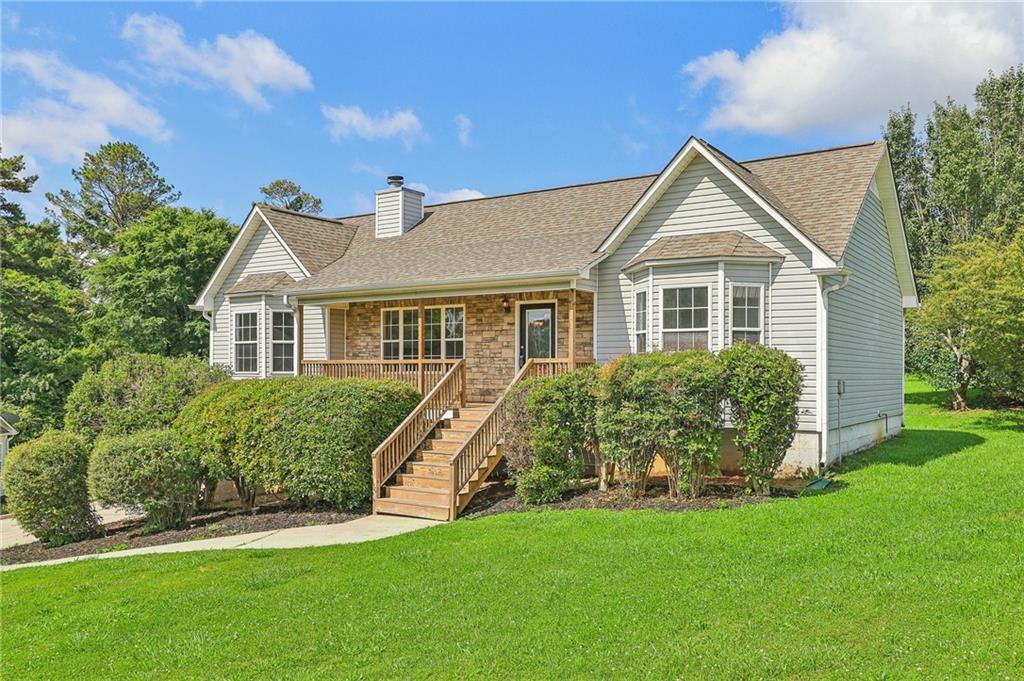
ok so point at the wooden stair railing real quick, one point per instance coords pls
(471, 458)
(449, 392)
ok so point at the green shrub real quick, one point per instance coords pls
(312, 437)
(44, 483)
(542, 485)
(151, 471)
(631, 415)
(762, 385)
(135, 392)
(694, 386)
(564, 411)
(326, 432)
(517, 432)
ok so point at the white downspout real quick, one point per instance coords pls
(823, 379)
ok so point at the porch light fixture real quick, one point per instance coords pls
(506, 305)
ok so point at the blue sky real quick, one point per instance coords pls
(466, 99)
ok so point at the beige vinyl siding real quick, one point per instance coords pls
(314, 332)
(262, 253)
(865, 329)
(389, 218)
(702, 200)
(336, 322)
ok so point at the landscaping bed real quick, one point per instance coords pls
(223, 522)
(721, 493)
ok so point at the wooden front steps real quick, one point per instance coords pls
(422, 487)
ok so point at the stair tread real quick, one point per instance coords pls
(409, 502)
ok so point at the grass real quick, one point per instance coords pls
(912, 568)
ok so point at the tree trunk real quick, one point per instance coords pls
(959, 397)
(605, 471)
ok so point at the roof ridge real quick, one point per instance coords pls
(298, 213)
(812, 151)
(522, 193)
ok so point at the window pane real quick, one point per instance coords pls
(410, 349)
(284, 326)
(753, 317)
(746, 337)
(390, 350)
(453, 349)
(454, 322)
(738, 297)
(671, 319)
(391, 329)
(245, 326)
(641, 342)
(670, 341)
(700, 319)
(700, 297)
(245, 357)
(698, 340)
(432, 349)
(753, 296)
(432, 324)
(668, 298)
(739, 317)
(283, 359)
(685, 319)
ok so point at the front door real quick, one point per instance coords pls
(536, 331)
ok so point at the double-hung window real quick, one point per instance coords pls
(444, 331)
(282, 359)
(246, 342)
(685, 315)
(640, 321)
(746, 314)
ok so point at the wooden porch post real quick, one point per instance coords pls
(572, 330)
(419, 373)
(299, 339)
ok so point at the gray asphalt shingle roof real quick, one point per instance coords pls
(559, 230)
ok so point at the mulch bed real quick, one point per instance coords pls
(721, 493)
(128, 534)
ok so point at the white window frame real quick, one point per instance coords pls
(661, 314)
(293, 342)
(235, 342)
(760, 328)
(646, 330)
(401, 330)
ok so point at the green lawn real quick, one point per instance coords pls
(912, 568)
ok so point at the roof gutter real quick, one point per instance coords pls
(435, 285)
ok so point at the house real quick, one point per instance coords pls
(804, 252)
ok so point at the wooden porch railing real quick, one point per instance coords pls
(488, 433)
(423, 375)
(448, 392)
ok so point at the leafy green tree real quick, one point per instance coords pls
(156, 268)
(11, 180)
(976, 307)
(42, 307)
(117, 185)
(287, 194)
(1000, 115)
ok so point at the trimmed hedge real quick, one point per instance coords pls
(135, 392)
(564, 410)
(542, 485)
(150, 471)
(44, 483)
(762, 385)
(692, 408)
(312, 437)
(631, 416)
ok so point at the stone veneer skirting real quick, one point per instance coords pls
(491, 344)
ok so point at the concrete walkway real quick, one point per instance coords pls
(354, 531)
(11, 533)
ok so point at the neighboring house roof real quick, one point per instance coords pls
(6, 419)
(518, 235)
(730, 244)
(316, 241)
(263, 282)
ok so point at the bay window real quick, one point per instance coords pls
(685, 315)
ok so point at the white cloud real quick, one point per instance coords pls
(843, 66)
(87, 107)
(346, 121)
(463, 194)
(463, 126)
(247, 64)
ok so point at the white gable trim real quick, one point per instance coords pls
(884, 184)
(249, 225)
(679, 162)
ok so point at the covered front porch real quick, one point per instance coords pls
(417, 340)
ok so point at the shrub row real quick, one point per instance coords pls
(642, 406)
(310, 437)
